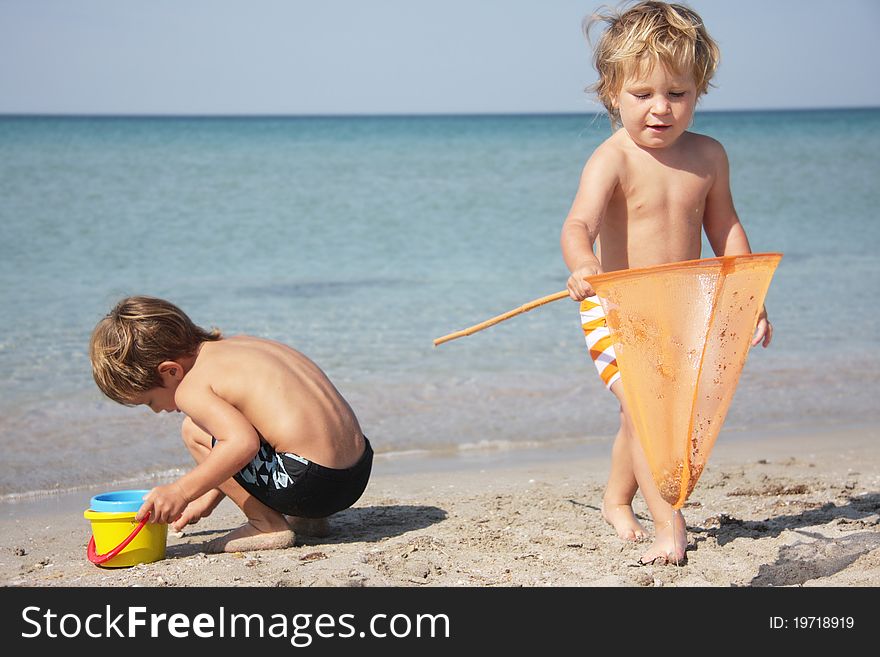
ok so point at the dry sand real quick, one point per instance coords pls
(796, 510)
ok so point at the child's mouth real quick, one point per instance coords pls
(659, 128)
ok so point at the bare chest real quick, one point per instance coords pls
(661, 194)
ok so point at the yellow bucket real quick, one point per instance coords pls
(118, 540)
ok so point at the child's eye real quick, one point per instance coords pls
(677, 94)
(642, 96)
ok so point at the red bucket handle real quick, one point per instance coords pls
(98, 559)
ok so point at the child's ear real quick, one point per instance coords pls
(170, 370)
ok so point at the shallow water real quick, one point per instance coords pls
(360, 240)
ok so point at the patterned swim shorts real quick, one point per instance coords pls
(295, 486)
(598, 339)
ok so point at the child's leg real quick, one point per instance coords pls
(622, 485)
(670, 538)
(266, 528)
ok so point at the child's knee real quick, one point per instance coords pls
(193, 436)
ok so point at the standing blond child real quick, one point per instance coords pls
(644, 197)
(265, 425)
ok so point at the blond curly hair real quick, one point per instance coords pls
(645, 34)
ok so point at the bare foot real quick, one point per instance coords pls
(248, 538)
(670, 543)
(315, 527)
(624, 521)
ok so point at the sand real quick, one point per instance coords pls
(800, 509)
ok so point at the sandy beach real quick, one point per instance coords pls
(790, 510)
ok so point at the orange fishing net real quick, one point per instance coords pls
(681, 333)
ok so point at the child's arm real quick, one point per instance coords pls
(720, 221)
(724, 230)
(581, 227)
(237, 443)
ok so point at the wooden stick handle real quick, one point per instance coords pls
(500, 318)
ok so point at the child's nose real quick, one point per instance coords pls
(661, 105)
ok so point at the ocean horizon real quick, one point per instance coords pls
(397, 115)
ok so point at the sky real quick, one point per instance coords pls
(230, 57)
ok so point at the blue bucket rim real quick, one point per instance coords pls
(120, 501)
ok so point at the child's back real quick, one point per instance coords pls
(285, 396)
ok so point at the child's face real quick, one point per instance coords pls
(161, 398)
(158, 399)
(656, 105)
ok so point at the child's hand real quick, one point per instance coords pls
(163, 503)
(190, 516)
(198, 509)
(763, 331)
(578, 288)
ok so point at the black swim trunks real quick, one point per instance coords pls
(296, 486)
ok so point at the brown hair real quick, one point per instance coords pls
(134, 338)
(671, 34)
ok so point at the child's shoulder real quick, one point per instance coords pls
(215, 364)
(612, 150)
(618, 141)
(217, 358)
(704, 145)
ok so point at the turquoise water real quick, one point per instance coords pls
(359, 240)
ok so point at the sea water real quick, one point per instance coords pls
(359, 240)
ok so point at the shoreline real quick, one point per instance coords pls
(787, 510)
(491, 455)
